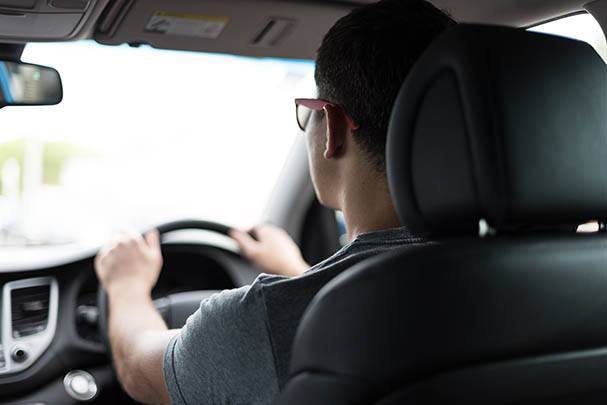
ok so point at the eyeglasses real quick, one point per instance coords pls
(305, 106)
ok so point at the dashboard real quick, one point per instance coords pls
(51, 349)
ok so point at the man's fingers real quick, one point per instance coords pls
(152, 238)
(245, 242)
(132, 237)
(97, 262)
(106, 248)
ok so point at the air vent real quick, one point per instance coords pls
(273, 32)
(29, 310)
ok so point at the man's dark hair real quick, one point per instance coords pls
(365, 57)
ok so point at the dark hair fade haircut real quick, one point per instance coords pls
(365, 57)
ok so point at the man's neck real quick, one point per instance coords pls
(367, 205)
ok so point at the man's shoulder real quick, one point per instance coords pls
(225, 344)
(364, 246)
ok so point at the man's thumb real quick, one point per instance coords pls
(245, 242)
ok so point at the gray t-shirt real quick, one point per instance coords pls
(236, 348)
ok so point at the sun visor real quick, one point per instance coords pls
(45, 20)
(285, 29)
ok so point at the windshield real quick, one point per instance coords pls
(145, 136)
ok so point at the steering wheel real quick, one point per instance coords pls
(174, 308)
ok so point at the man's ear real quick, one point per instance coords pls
(337, 131)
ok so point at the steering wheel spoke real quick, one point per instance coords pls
(176, 308)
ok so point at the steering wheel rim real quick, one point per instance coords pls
(102, 299)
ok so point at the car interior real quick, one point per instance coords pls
(495, 154)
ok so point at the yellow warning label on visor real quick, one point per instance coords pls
(194, 25)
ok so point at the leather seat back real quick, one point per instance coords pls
(506, 129)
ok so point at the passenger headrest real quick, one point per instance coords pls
(503, 125)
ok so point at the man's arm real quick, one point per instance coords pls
(128, 269)
(138, 336)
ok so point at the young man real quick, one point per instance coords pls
(236, 347)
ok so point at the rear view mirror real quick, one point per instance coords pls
(26, 84)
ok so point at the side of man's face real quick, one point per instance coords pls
(320, 168)
(326, 138)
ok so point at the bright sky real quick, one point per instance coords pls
(177, 134)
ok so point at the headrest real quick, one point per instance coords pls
(499, 124)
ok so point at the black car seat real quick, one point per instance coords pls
(505, 131)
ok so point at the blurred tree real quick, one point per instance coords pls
(55, 155)
(12, 150)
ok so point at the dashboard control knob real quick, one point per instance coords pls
(80, 385)
(19, 354)
(88, 314)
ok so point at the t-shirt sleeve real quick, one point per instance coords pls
(223, 353)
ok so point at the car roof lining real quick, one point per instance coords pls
(509, 12)
(310, 20)
(296, 26)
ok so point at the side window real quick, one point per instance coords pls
(320, 234)
(582, 27)
(341, 228)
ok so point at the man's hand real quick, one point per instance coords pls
(130, 262)
(128, 269)
(274, 251)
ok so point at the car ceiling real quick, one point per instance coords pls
(263, 28)
(515, 13)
